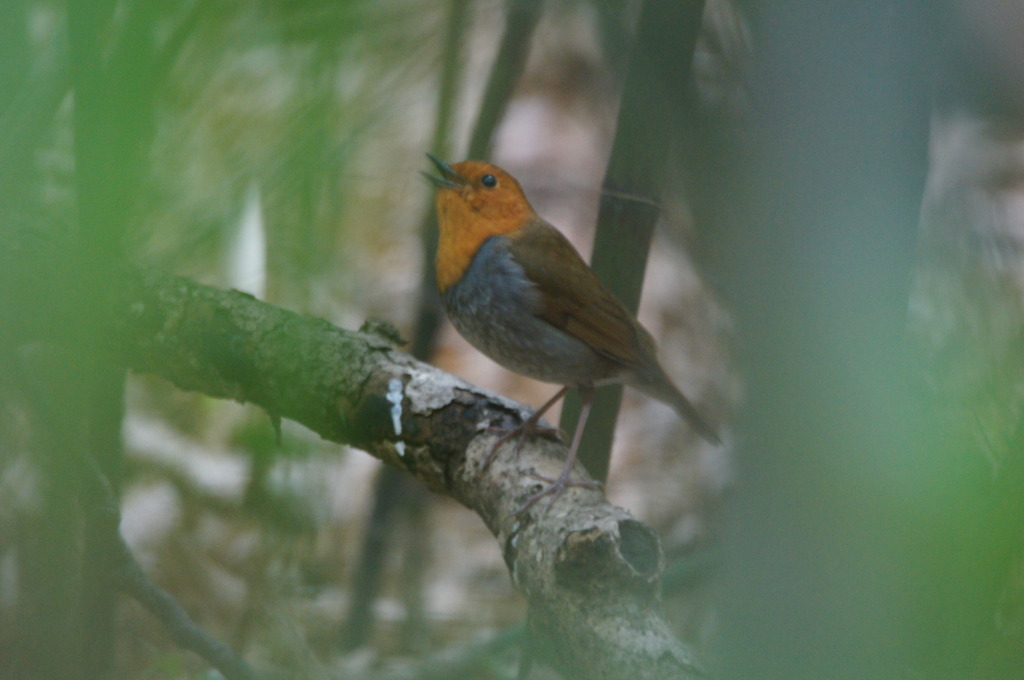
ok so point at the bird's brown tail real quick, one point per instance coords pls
(662, 389)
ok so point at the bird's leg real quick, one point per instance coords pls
(557, 486)
(527, 428)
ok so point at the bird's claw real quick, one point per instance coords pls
(555, 488)
(520, 434)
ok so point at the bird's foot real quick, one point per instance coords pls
(519, 434)
(555, 488)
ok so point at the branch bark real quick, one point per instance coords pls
(589, 570)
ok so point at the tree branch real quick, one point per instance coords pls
(589, 570)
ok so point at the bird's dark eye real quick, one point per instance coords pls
(489, 181)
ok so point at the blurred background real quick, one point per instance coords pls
(285, 142)
(275, 147)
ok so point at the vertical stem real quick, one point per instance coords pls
(112, 125)
(657, 94)
(520, 22)
(428, 319)
(819, 251)
(393, 484)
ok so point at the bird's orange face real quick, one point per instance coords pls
(482, 192)
(475, 201)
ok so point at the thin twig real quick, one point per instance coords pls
(133, 581)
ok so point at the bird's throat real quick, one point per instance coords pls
(462, 232)
(455, 252)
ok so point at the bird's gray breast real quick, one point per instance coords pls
(495, 307)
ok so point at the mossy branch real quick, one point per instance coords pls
(589, 570)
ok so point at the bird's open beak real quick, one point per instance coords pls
(449, 179)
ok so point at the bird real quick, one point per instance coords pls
(517, 290)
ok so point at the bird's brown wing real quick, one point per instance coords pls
(573, 298)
